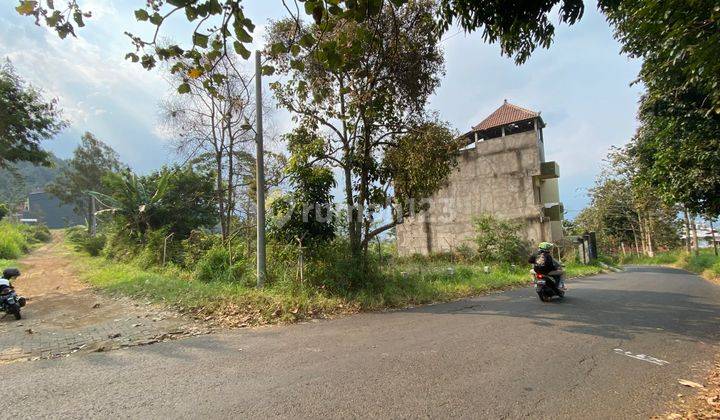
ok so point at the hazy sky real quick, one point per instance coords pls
(581, 86)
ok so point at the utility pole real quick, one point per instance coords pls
(260, 174)
(93, 219)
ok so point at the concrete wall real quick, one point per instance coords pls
(498, 176)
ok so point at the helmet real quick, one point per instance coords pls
(546, 246)
(9, 273)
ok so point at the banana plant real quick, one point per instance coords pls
(133, 201)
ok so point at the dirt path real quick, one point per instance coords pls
(64, 316)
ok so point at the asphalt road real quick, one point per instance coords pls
(505, 355)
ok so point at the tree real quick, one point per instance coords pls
(679, 42)
(624, 212)
(92, 160)
(178, 199)
(188, 202)
(25, 120)
(676, 150)
(133, 201)
(676, 145)
(306, 214)
(221, 27)
(217, 128)
(362, 113)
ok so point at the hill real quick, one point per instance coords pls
(23, 178)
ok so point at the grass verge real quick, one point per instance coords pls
(706, 263)
(233, 304)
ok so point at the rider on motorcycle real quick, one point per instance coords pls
(543, 263)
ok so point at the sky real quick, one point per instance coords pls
(581, 85)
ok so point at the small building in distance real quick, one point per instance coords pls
(501, 172)
(48, 210)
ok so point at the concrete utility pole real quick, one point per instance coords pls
(260, 174)
(93, 219)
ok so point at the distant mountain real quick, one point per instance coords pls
(24, 178)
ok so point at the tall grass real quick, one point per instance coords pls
(17, 239)
(12, 241)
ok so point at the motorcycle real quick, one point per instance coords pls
(543, 289)
(10, 302)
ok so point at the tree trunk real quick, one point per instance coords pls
(230, 199)
(687, 229)
(712, 233)
(693, 226)
(635, 239)
(220, 195)
(648, 232)
(643, 237)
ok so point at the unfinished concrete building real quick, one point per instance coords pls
(501, 172)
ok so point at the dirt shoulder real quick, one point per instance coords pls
(64, 316)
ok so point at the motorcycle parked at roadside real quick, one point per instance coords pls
(10, 302)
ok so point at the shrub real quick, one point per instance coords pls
(83, 241)
(198, 243)
(3, 211)
(498, 240)
(332, 267)
(216, 265)
(13, 243)
(465, 253)
(41, 233)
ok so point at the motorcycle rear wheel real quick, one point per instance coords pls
(16, 311)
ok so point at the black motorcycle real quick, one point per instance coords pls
(543, 289)
(10, 302)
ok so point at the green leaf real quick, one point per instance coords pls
(78, 18)
(242, 35)
(278, 48)
(240, 49)
(156, 19)
(268, 70)
(53, 19)
(307, 41)
(297, 65)
(184, 88)
(295, 50)
(200, 40)
(132, 56)
(141, 14)
(191, 13)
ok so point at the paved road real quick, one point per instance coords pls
(501, 356)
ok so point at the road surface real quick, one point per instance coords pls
(615, 348)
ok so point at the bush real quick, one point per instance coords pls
(498, 240)
(215, 266)
(13, 243)
(83, 241)
(3, 211)
(41, 233)
(198, 243)
(465, 253)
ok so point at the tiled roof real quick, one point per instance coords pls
(506, 114)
